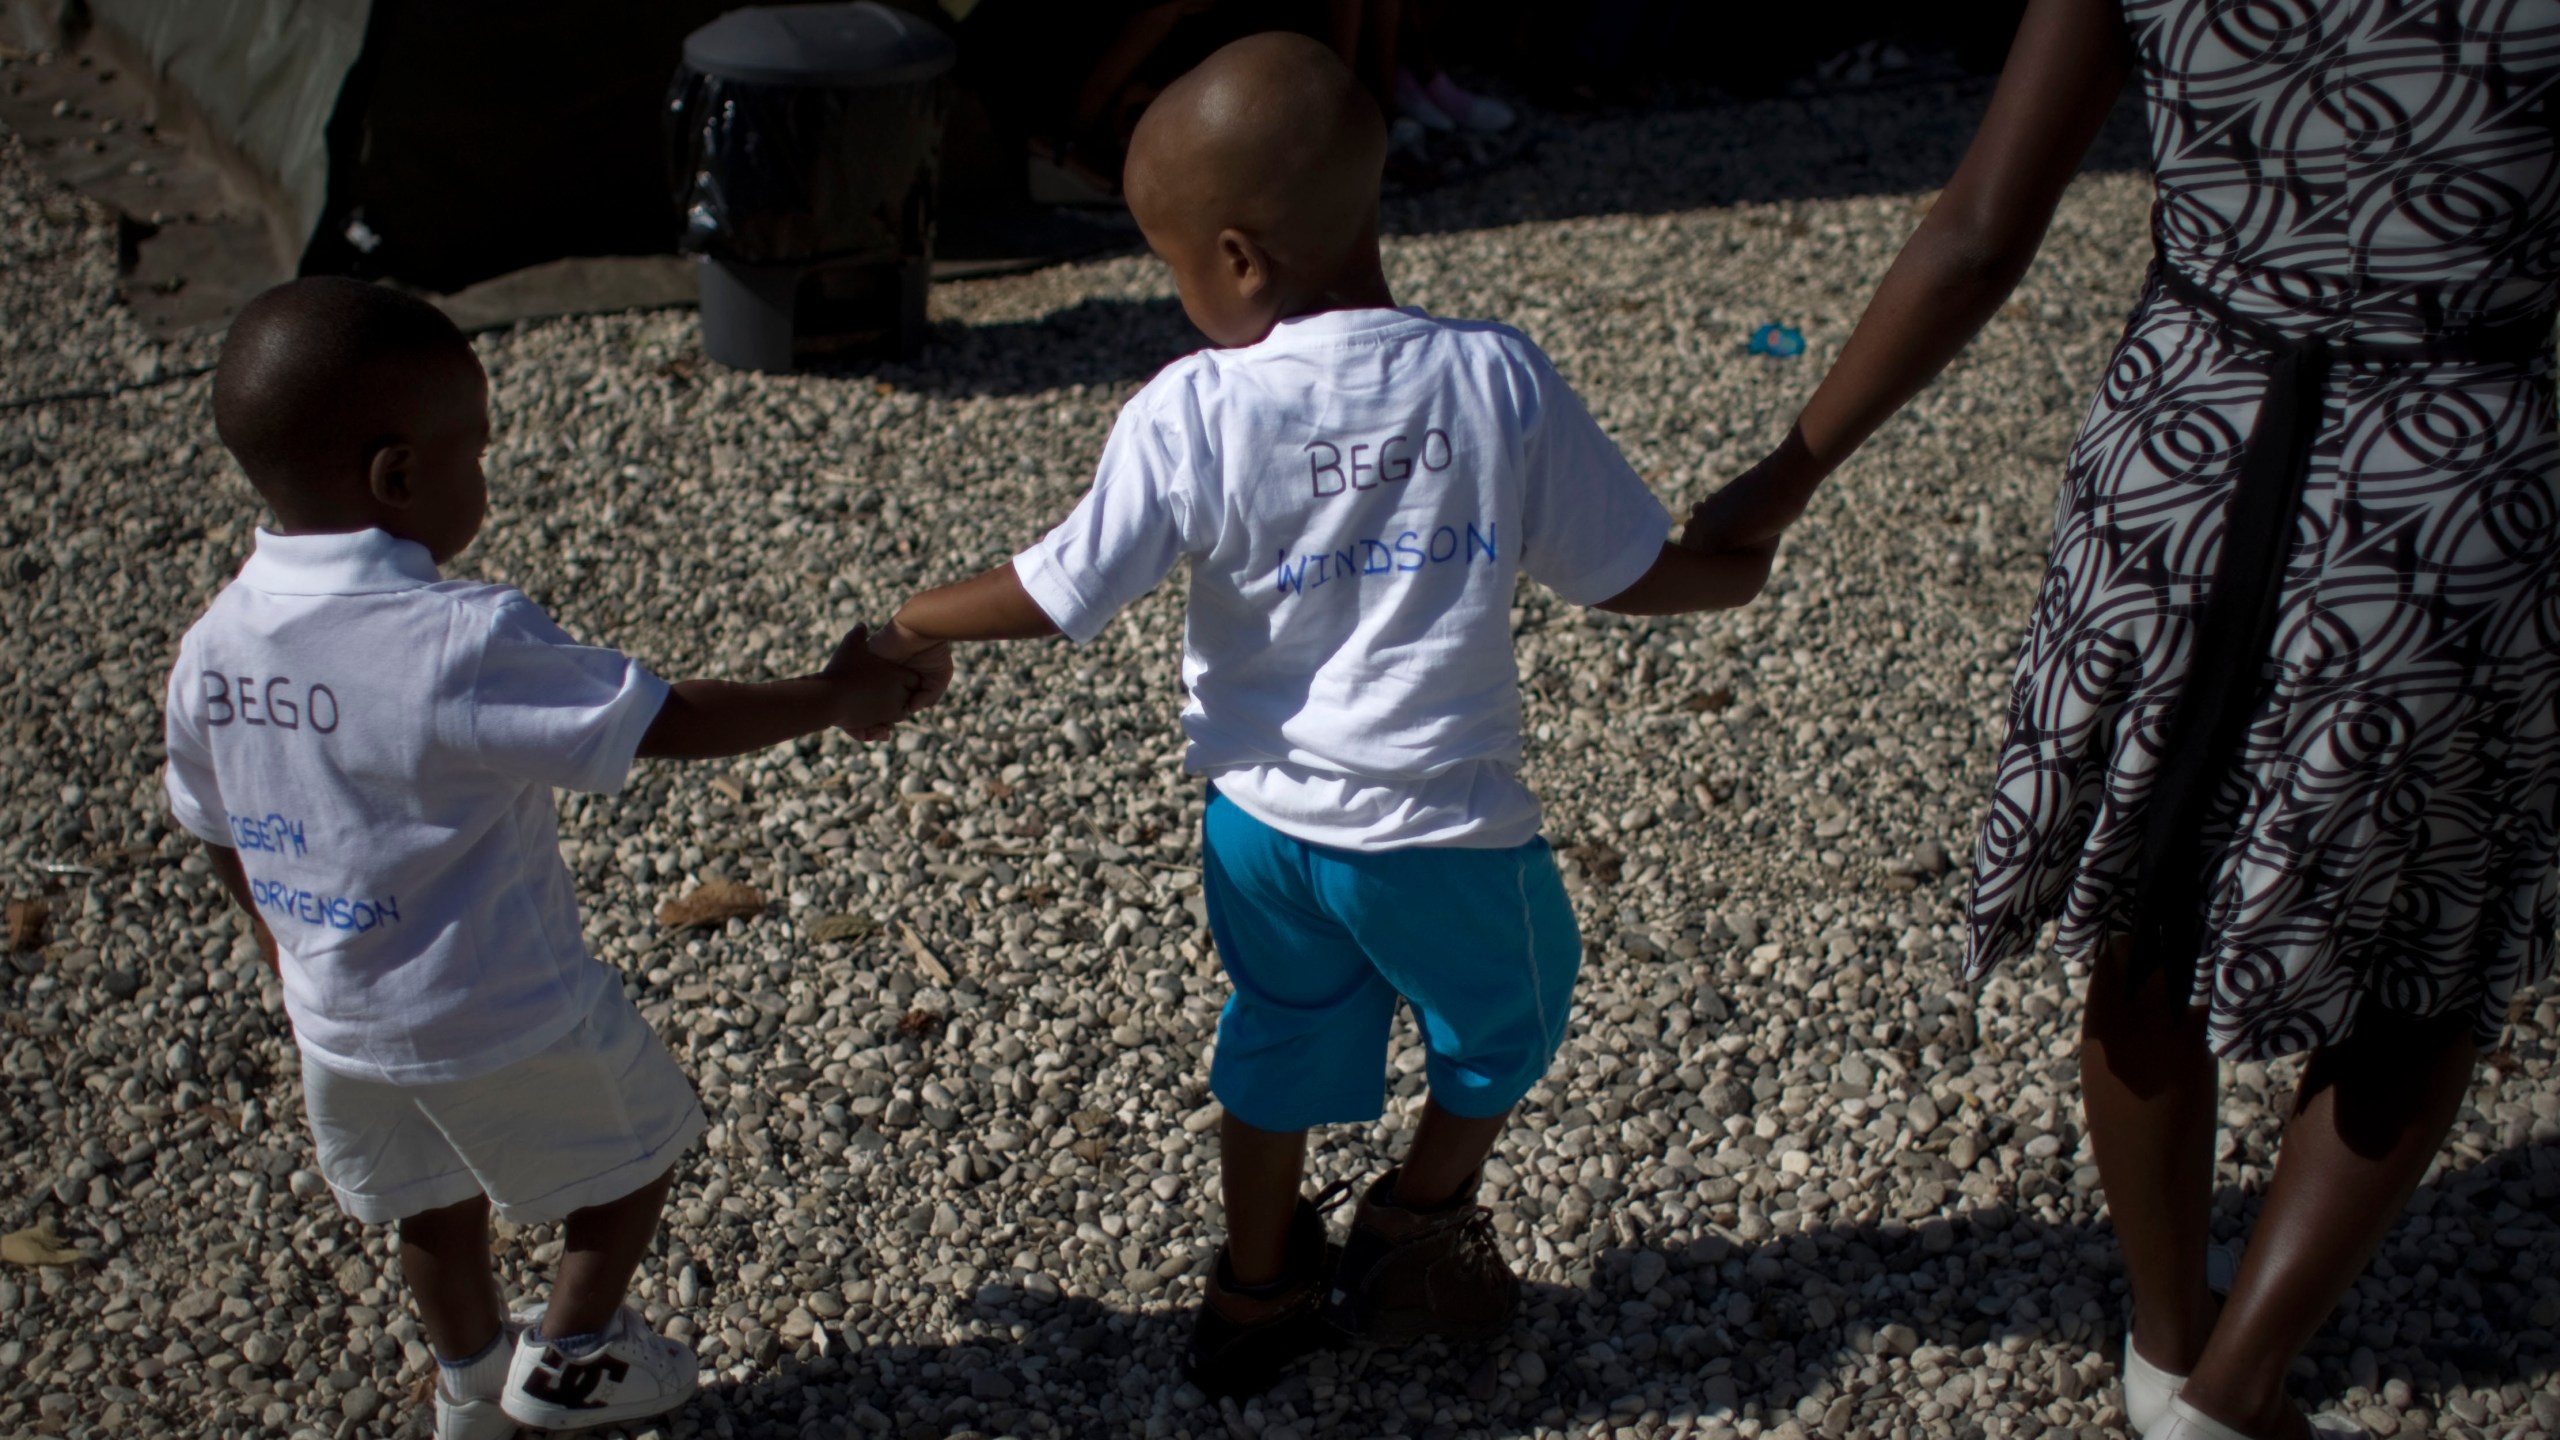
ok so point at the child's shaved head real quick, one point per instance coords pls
(1271, 138)
(354, 406)
(316, 371)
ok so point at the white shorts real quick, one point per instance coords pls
(601, 1113)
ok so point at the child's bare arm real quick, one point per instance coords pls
(858, 691)
(227, 869)
(1683, 580)
(988, 606)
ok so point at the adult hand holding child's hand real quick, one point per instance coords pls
(1754, 509)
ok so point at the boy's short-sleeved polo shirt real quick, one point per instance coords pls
(1356, 496)
(380, 745)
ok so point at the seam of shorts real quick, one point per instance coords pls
(653, 1160)
(1529, 932)
(380, 1207)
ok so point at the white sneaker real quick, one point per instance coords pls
(2186, 1422)
(479, 1417)
(635, 1373)
(2148, 1389)
(482, 1419)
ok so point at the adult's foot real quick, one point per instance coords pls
(1414, 101)
(2186, 1422)
(1476, 112)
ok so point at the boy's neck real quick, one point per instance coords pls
(278, 525)
(1363, 288)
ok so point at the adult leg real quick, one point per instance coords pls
(1259, 1172)
(601, 1247)
(1365, 33)
(1446, 1152)
(2147, 1083)
(444, 1260)
(1416, 50)
(2369, 1117)
(1137, 41)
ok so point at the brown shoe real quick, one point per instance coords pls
(1245, 1335)
(1410, 1273)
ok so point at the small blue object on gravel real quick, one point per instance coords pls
(1777, 341)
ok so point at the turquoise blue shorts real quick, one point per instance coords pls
(1321, 943)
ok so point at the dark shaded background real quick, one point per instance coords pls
(477, 137)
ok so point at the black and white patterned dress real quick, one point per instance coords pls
(2375, 183)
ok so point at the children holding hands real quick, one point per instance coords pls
(370, 750)
(1355, 488)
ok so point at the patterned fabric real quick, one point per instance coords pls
(2357, 170)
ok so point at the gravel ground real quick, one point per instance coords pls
(1784, 1181)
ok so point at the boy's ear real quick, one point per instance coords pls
(1245, 262)
(387, 475)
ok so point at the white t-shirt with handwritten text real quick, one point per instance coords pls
(1355, 496)
(380, 745)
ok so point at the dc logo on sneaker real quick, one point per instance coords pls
(571, 1384)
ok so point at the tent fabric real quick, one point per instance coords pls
(265, 73)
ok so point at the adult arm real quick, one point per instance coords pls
(2066, 68)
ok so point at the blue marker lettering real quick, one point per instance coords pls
(1474, 540)
(337, 912)
(1409, 555)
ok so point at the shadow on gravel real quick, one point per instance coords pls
(1108, 343)
(1885, 142)
(1653, 1320)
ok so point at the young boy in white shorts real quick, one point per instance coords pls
(370, 750)
(1356, 488)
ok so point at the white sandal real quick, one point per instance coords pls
(2186, 1422)
(2148, 1389)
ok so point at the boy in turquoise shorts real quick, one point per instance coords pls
(1356, 488)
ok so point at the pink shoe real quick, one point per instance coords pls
(1414, 103)
(1476, 112)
